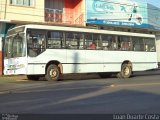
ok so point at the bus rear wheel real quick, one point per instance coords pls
(126, 71)
(52, 73)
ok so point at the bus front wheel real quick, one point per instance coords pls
(52, 73)
(126, 71)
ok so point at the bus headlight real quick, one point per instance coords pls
(20, 66)
(11, 67)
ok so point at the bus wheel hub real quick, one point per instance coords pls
(126, 71)
(53, 73)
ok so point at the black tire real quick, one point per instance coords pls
(33, 77)
(126, 71)
(52, 73)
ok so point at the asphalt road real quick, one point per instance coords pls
(82, 94)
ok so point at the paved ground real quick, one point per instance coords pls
(11, 82)
(8, 83)
(138, 94)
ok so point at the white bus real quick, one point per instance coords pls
(50, 51)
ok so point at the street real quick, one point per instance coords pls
(90, 95)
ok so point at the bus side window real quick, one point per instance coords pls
(36, 42)
(71, 40)
(105, 42)
(124, 43)
(96, 39)
(54, 39)
(149, 45)
(81, 41)
(92, 41)
(138, 44)
(78, 41)
(114, 44)
(88, 40)
(32, 51)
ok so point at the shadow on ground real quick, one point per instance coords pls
(84, 76)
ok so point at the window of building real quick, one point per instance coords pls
(54, 4)
(22, 2)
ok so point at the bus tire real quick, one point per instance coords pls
(33, 77)
(52, 73)
(126, 71)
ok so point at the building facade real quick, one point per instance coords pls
(126, 15)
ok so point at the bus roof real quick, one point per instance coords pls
(85, 30)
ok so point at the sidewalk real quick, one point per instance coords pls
(8, 83)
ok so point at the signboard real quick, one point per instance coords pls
(132, 13)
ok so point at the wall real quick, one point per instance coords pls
(22, 13)
(153, 17)
(79, 12)
(74, 11)
(68, 11)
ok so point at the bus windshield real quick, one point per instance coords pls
(15, 46)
